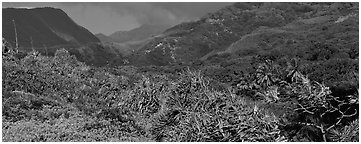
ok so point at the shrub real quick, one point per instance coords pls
(197, 113)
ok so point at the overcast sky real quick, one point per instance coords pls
(109, 17)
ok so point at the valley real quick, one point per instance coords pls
(254, 72)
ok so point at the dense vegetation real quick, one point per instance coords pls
(61, 99)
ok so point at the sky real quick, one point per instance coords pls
(109, 17)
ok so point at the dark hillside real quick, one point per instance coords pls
(49, 29)
(45, 26)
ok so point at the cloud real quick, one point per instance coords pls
(108, 17)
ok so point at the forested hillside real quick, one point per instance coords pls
(252, 28)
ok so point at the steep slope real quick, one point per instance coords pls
(40, 27)
(49, 29)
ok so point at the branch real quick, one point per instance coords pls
(304, 109)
